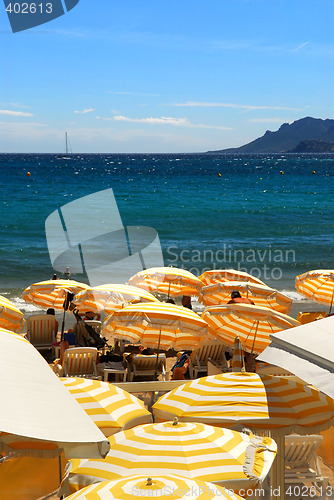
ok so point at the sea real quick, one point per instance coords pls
(269, 215)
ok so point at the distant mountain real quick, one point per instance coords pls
(313, 146)
(287, 137)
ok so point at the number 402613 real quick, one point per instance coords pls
(29, 8)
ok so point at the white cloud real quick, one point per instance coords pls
(166, 120)
(84, 111)
(15, 105)
(301, 46)
(203, 104)
(10, 112)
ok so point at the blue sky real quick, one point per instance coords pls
(157, 76)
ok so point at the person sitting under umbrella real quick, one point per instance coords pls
(236, 298)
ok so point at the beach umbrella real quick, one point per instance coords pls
(11, 318)
(157, 325)
(38, 415)
(169, 280)
(221, 275)
(247, 399)
(261, 295)
(166, 487)
(252, 324)
(51, 293)
(307, 352)
(237, 362)
(266, 403)
(194, 450)
(317, 285)
(110, 297)
(111, 409)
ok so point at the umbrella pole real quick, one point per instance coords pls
(250, 367)
(63, 326)
(157, 361)
(330, 307)
(155, 371)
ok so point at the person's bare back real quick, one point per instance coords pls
(237, 299)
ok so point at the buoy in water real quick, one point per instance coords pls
(281, 172)
(219, 175)
(313, 172)
(28, 174)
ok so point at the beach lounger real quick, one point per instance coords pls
(302, 463)
(42, 331)
(144, 365)
(80, 362)
(207, 350)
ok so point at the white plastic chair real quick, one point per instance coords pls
(42, 331)
(301, 461)
(80, 362)
(207, 350)
(144, 365)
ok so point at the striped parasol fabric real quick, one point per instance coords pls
(248, 399)
(169, 280)
(260, 402)
(252, 324)
(317, 285)
(222, 275)
(166, 487)
(237, 362)
(261, 295)
(11, 318)
(51, 293)
(193, 450)
(155, 324)
(110, 408)
(110, 297)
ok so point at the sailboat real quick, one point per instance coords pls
(68, 149)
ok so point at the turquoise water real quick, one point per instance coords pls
(250, 217)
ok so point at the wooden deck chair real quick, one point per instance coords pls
(42, 331)
(301, 461)
(207, 350)
(144, 365)
(80, 362)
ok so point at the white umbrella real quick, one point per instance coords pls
(307, 351)
(37, 408)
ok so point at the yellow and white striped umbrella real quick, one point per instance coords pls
(111, 408)
(193, 450)
(11, 318)
(110, 297)
(221, 275)
(248, 399)
(51, 293)
(317, 285)
(155, 324)
(237, 361)
(252, 324)
(261, 295)
(171, 487)
(259, 402)
(169, 280)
